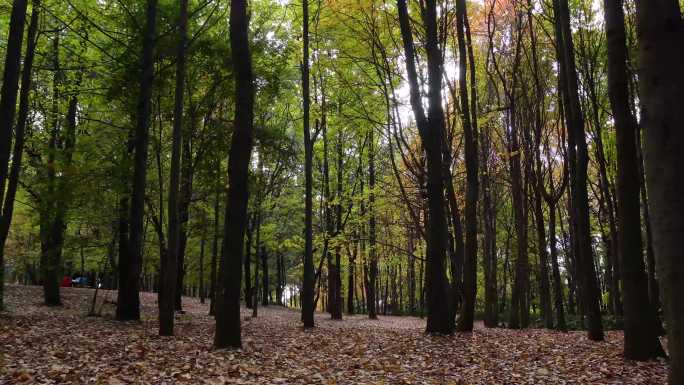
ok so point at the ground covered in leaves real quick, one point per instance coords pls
(62, 345)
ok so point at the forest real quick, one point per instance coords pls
(341, 192)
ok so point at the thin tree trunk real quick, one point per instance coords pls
(372, 255)
(580, 203)
(308, 274)
(184, 213)
(169, 287)
(203, 239)
(214, 243)
(264, 278)
(467, 315)
(490, 265)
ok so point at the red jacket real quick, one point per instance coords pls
(66, 281)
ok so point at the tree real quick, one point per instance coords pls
(167, 294)
(228, 312)
(661, 57)
(308, 276)
(10, 84)
(641, 339)
(431, 129)
(466, 318)
(579, 159)
(130, 262)
(7, 201)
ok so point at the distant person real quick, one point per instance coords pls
(66, 281)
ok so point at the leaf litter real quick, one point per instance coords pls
(42, 345)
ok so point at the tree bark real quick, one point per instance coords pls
(308, 283)
(431, 129)
(168, 291)
(214, 243)
(467, 315)
(7, 202)
(10, 85)
(589, 291)
(372, 253)
(184, 213)
(661, 83)
(128, 300)
(228, 312)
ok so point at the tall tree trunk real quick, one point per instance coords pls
(490, 265)
(168, 291)
(336, 307)
(7, 202)
(538, 183)
(641, 335)
(661, 83)
(580, 203)
(653, 287)
(308, 274)
(201, 289)
(467, 315)
(372, 254)
(518, 311)
(184, 213)
(128, 300)
(431, 129)
(50, 256)
(228, 311)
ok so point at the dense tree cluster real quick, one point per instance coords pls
(507, 160)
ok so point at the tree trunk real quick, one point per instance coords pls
(518, 309)
(661, 55)
(589, 291)
(203, 239)
(490, 265)
(7, 204)
(411, 272)
(336, 306)
(281, 279)
(10, 85)
(351, 283)
(431, 129)
(265, 285)
(228, 312)
(128, 301)
(641, 335)
(308, 274)
(467, 315)
(169, 288)
(214, 243)
(372, 255)
(184, 213)
(555, 270)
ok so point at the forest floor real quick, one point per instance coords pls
(61, 345)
